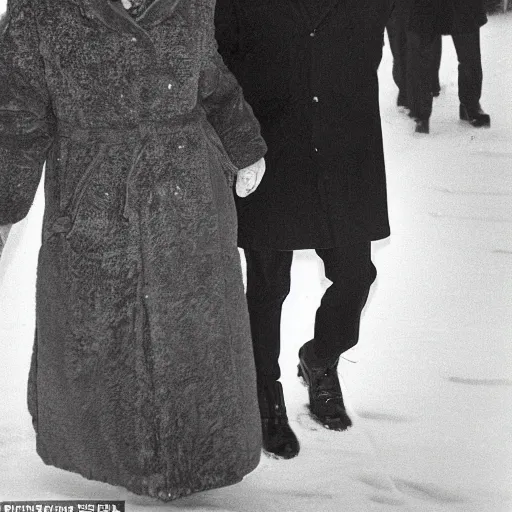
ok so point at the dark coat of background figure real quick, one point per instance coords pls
(446, 17)
(397, 29)
(318, 108)
(142, 372)
(428, 20)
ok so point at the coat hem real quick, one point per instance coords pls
(131, 485)
(251, 244)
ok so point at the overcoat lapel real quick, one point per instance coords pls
(297, 10)
(113, 14)
(329, 6)
(291, 8)
(159, 11)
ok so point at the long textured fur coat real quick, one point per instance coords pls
(142, 372)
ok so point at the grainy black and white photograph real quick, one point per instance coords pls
(256, 255)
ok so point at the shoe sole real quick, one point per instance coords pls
(272, 455)
(483, 122)
(486, 123)
(336, 424)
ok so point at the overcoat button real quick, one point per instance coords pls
(315, 99)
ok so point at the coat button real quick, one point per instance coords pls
(316, 150)
(315, 99)
(312, 34)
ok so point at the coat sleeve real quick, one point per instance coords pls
(226, 109)
(26, 121)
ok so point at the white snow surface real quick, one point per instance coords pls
(429, 385)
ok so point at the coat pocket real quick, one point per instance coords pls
(219, 153)
(93, 211)
(85, 179)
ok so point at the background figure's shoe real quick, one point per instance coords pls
(278, 437)
(401, 101)
(325, 397)
(422, 126)
(474, 115)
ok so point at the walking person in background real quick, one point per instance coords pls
(462, 20)
(142, 372)
(309, 70)
(397, 29)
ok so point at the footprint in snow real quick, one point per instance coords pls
(377, 481)
(428, 492)
(481, 382)
(383, 416)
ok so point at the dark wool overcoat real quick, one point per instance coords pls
(401, 8)
(446, 16)
(312, 83)
(142, 374)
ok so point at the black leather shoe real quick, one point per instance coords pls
(278, 437)
(475, 116)
(422, 126)
(325, 397)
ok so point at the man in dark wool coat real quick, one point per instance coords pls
(309, 70)
(428, 20)
(142, 372)
(397, 29)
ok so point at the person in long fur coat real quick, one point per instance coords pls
(142, 372)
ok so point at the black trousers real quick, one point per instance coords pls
(337, 319)
(421, 55)
(402, 58)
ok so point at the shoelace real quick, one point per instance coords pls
(326, 385)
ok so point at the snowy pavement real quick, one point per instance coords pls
(430, 383)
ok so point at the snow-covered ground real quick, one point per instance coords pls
(430, 383)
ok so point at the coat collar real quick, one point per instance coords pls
(297, 10)
(113, 14)
(329, 6)
(159, 11)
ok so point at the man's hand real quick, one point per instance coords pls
(4, 233)
(248, 179)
